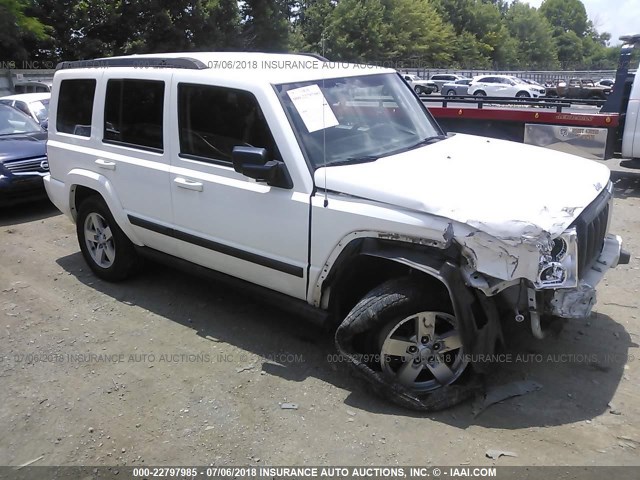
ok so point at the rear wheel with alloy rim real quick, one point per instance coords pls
(105, 247)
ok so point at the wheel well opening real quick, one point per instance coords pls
(363, 273)
(80, 194)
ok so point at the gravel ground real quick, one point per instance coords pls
(171, 369)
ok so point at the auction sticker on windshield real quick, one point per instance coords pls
(313, 108)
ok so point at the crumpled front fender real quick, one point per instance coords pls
(479, 335)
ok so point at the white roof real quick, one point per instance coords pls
(495, 75)
(268, 67)
(29, 97)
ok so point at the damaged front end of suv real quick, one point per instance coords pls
(537, 274)
(415, 338)
(521, 276)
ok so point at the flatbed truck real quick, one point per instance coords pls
(611, 132)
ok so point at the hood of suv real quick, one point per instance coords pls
(509, 190)
(18, 146)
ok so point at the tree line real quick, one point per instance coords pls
(469, 34)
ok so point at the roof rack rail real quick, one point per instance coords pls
(307, 54)
(136, 62)
(314, 55)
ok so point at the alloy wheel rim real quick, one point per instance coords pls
(99, 240)
(423, 352)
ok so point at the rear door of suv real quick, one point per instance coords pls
(134, 153)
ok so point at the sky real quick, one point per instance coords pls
(618, 17)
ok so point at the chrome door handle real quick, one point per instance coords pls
(105, 164)
(188, 184)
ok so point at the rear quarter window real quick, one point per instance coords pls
(75, 106)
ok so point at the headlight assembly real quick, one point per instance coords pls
(559, 267)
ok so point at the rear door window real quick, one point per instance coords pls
(133, 113)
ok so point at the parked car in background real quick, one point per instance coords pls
(420, 85)
(459, 87)
(33, 86)
(36, 105)
(23, 157)
(441, 78)
(503, 86)
(579, 89)
(606, 82)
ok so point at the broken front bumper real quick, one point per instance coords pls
(577, 302)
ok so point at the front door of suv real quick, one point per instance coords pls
(222, 219)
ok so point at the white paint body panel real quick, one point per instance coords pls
(505, 189)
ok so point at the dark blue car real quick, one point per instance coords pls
(23, 157)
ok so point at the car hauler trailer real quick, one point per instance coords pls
(613, 131)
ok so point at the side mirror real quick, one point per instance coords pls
(253, 163)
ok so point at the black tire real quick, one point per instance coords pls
(436, 89)
(480, 93)
(523, 95)
(451, 93)
(122, 259)
(382, 313)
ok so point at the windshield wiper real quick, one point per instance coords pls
(353, 160)
(428, 141)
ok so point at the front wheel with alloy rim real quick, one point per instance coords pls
(423, 351)
(105, 247)
(405, 339)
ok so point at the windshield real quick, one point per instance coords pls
(13, 121)
(356, 119)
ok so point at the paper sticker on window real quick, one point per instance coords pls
(313, 108)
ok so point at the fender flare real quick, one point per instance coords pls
(359, 241)
(85, 178)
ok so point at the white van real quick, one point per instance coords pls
(329, 189)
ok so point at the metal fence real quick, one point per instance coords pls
(541, 76)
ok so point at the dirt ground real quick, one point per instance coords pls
(171, 369)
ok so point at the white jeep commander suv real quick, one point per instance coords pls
(330, 189)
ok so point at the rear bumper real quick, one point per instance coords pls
(57, 192)
(577, 302)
